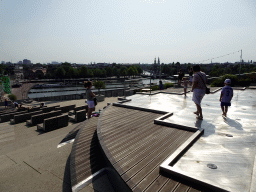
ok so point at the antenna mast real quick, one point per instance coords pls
(240, 62)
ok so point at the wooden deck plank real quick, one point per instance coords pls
(156, 185)
(193, 190)
(181, 187)
(171, 185)
(138, 155)
(118, 114)
(151, 157)
(150, 163)
(132, 141)
(128, 134)
(150, 145)
(146, 143)
(82, 151)
(116, 127)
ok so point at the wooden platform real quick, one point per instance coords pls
(86, 158)
(136, 147)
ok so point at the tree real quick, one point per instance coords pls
(90, 73)
(66, 66)
(109, 71)
(83, 72)
(103, 73)
(123, 71)
(130, 71)
(139, 69)
(135, 70)
(115, 71)
(60, 72)
(39, 74)
(12, 97)
(71, 72)
(99, 85)
(97, 73)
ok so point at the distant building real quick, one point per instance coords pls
(20, 62)
(26, 61)
(18, 72)
(55, 63)
(2, 62)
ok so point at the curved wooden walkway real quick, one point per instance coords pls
(86, 157)
(136, 147)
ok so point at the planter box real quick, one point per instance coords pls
(100, 98)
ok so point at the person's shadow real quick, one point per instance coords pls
(233, 123)
(209, 128)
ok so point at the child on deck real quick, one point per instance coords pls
(226, 96)
(185, 84)
(161, 85)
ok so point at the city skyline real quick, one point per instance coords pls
(127, 32)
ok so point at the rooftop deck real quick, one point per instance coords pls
(136, 147)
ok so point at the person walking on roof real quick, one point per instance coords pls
(90, 98)
(226, 96)
(198, 89)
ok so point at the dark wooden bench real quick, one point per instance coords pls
(66, 109)
(48, 109)
(39, 118)
(6, 111)
(19, 118)
(79, 116)
(53, 123)
(73, 112)
(9, 116)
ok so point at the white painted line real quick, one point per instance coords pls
(64, 143)
(88, 180)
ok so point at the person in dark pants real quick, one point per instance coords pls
(16, 105)
(6, 104)
(180, 76)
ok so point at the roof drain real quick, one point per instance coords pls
(212, 166)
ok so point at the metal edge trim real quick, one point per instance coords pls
(174, 125)
(139, 108)
(88, 180)
(66, 142)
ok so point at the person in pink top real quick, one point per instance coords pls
(198, 89)
(226, 96)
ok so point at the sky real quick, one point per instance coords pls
(127, 31)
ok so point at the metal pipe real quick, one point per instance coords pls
(150, 85)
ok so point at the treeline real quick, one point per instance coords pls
(219, 70)
(67, 71)
(212, 70)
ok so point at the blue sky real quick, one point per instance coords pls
(127, 31)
